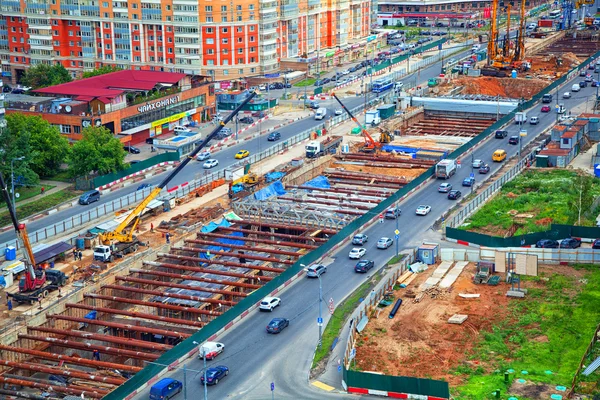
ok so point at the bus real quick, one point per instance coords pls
(555, 14)
(382, 84)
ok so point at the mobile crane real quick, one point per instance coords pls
(34, 285)
(121, 240)
(370, 144)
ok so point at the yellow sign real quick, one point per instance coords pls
(172, 118)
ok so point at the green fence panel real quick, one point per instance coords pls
(397, 384)
(104, 179)
(318, 90)
(555, 232)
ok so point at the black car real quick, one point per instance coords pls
(500, 134)
(582, 84)
(570, 243)
(484, 169)
(246, 120)
(513, 140)
(454, 194)
(277, 325)
(273, 136)
(596, 244)
(547, 244)
(131, 149)
(364, 265)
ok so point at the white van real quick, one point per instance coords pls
(475, 48)
(210, 350)
(321, 113)
(181, 129)
(575, 88)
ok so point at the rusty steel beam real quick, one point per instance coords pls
(174, 295)
(384, 194)
(347, 212)
(190, 278)
(21, 395)
(30, 379)
(94, 393)
(104, 338)
(200, 269)
(233, 246)
(176, 285)
(328, 203)
(363, 176)
(258, 240)
(220, 262)
(344, 197)
(388, 159)
(128, 327)
(232, 254)
(136, 314)
(64, 372)
(70, 359)
(356, 182)
(282, 226)
(155, 304)
(266, 233)
(91, 347)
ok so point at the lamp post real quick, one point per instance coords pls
(184, 375)
(320, 319)
(203, 358)
(12, 181)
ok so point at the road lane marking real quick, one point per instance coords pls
(322, 386)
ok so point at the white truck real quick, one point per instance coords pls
(445, 169)
(317, 149)
(521, 118)
(372, 118)
(108, 254)
(320, 113)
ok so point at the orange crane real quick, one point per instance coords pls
(493, 39)
(370, 144)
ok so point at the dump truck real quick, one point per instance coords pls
(108, 253)
(445, 169)
(317, 149)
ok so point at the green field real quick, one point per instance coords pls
(41, 204)
(534, 200)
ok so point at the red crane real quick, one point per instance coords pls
(370, 144)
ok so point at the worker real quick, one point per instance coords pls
(151, 227)
(96, 355)
(74, 254)
(242, 258)
(168, 237)
(9, 304)
(80, 255)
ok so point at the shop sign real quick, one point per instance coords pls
(158, 104)
(329, 54)
(86, 123)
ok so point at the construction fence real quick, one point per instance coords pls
(544, 256)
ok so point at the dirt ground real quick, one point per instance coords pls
(409, 174)
(504, 87)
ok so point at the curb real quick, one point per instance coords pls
(395, 395)
(135, 174)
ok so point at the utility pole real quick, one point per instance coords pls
(557, 107)
(497, 107)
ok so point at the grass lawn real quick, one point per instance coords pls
(306, 82)
(43, 203)
(62, 176)
(28, 192)
(538, 198)
(546, 335)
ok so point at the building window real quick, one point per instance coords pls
(106, 25)
(210, 62)
(225, 51)
(225, 62)
(209, 30)
(70, 33)
(240, 51)
(239, 18)
(241, 71)
(65, 129)
(209, 19)
(223, 8)
(210, 41)
(170, 50)
(240, 61)
(210, 51)
(208, 8)
(251, 28)
(137, 58)
(225, 40)
(252, 70)
(239, 29)
(224, 18)
(76, 129)
(251, 7)
(240, 40)
(252, 38)
(224, 30)
(238, 7)
(252, 59)
(225, 72)
(252, 49)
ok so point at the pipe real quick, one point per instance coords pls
(63, 372)
(362, 176)
(281, 226)
(327, 203)
(233, 246)
(71, 359)
(127, 327)
(364, 183)
(105, 338)
(232, 254)
(257, 240)
(174, 295)
(349, 199)
(220, 262)
(136, 314)
(22, 395)
(267, 233)
(89, 347)
(200, 269)
(373, 193)
(186, 277)
(117, 299)
(94, 393)
(38, 380)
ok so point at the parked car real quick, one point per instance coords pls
(468, 181)
(131, 149)
(214, 374)
(360, 239)
(259, 114)
(545, 109)
(246, 120)
(423, 210)
(547, 244)
(484, 169)
(315, 271)
(357, 252)
(205, 155)
(477, 163)
(384, 243)
(277, 325)
(596, 244)
(513, 140)
(339, 111)
(444, 188)
(454, 194)
(211, 163)
(269, 303)
(364, 266)
(570, 243)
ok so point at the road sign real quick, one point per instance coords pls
(472, 175)
(272, 75)
(339, 368)
(320, 321)
(458, 162)
(396, 236)
(397, 232)
(272, 386)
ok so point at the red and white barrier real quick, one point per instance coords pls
(394, 395)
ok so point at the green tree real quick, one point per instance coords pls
(48, 148)
(16, 146)
(99, 151)
(44, 75)
(105, 69)
(582, 202)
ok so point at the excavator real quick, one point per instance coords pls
(35, 284)
(371, 145)
(121, 240)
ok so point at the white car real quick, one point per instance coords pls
(357, 253)
(384, 243)
(210, 163)
(423, 210)
(477, 163)
(346, 71)
(205, 155)
(210, 350)
(566, 95)
(339, 111)
(269, 303)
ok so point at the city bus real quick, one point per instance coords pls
(555, 14)
(382, 84)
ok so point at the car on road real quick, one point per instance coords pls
(277, 325)
(339, 111)
(131, 149)
(214, 374)
(468, 181)
(392, 213)
(595, 83)
(546, 244)
(364, 266)
(210, 350)
(500, 134)
(582, 84)
(143, 186)
(357, 252)
(242, 154)
(513, 140)
(269, 303)
(484, 169)
(314, 105)
(534, 120)
(444, 188)
(315, 271)
(566, 95)
(477, 163)
(208, 164)
(588, 78)
(259, 114)
(545, 109)
(423, 210)
(596, 244)
(273, 136)
(181, 129)
(246, 120)
(166, 388)
(360, 238)
(205, 155)
(570, 243)
(384, 243)
(582, 72)
(454, 194)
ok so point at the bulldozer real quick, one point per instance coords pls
(249, 179)
(385, 137)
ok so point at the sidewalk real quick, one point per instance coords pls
(58, 187)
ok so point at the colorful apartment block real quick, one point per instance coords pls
(227, 39)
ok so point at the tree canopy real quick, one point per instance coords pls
(44, 75)
(15, 149)
(105, 69)
(99, 151)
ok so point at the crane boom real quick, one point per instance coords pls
(119, 233)
(370, 143)
(493, 42)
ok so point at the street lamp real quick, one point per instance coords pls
(12, 181)
(320, 320)
(204, 358)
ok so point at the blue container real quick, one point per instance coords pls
(596, 174)
(80, 244)
(513, 74)
(10, 253)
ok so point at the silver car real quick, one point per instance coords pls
(205, 155)
(315, 271)
(384, 243)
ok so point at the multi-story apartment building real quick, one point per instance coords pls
(229, 39)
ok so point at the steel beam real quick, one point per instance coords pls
(220, 262)
(267, 233)
(199, 269)
(236, 255)
(173, 295)
(63, 372)
(347, 199)
(233, 246)
(190, 278)
(136, 314)
(94, 393)
(383, 194)
(155, 304)
(364, 184)
(21, 395)
(258, 240)
(363, 176)
(126, 327)
(338, 203)
(70, 359)
(282, 226)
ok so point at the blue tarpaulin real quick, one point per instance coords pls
(91, 315)
(319, 182)
(273, 176)
(214, 226)
(274, 189)
(225, 241)
(400, 149)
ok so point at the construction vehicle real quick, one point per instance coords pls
(317, 149)
(385, 137)
(432, 82)
(246, 183)
(122, 239)
(445, 168)
(35, 284)
(370, 144)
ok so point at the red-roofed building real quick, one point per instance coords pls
(138, 105)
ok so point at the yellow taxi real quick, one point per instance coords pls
(242, 154)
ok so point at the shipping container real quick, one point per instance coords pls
(386, 111)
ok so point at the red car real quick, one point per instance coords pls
(545, 109)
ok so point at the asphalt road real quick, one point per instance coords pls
(256, 358)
